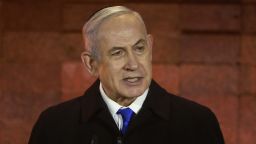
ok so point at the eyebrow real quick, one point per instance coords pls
(139, 41)
(115, 48)
(120, 47)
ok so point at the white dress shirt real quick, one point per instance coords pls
(113, 107)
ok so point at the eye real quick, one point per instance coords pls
(118, 52)
(140, 49)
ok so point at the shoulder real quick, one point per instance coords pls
(55, 120)
(177, 104)
(61, 112)
(70, 111)
(194, 120)
(72, 108)
(192, 115)
(179, 108)
(189, 108)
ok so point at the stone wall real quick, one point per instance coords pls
(204, 50)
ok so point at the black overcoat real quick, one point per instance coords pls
(163, 119)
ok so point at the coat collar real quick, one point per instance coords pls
(92, 103)
(157, 100)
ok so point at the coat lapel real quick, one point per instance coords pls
(94, 107)
(157, 104)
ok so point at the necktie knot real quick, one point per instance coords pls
(126, 114)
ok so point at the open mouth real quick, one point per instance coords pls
(133, 80)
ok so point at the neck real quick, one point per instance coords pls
(121, 100)
(124, 101)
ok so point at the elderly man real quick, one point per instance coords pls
(124, 105)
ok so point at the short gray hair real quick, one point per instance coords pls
(90, 28)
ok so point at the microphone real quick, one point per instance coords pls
(94, 140)
(119, 140)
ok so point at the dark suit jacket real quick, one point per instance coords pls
(163, 119)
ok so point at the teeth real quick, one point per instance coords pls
(132, 79)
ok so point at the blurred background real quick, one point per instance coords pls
(204, 50)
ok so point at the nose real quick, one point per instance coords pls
(132, 62)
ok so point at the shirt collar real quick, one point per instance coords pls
(113, 107)
(157, 100)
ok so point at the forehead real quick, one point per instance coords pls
(121, 29)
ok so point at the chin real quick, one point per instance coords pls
(133, 89)
(134, 92)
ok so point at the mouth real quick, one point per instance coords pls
(133, 80)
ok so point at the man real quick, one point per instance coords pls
(124, 105)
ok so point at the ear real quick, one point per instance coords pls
(150, 43)
(150, 40)
(89, 63)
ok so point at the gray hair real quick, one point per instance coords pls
(90, 28)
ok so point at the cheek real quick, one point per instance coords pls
(148, 68)
(111, 69)
(117, 65)
(146, 62)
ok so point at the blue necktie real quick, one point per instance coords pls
(126, 114)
